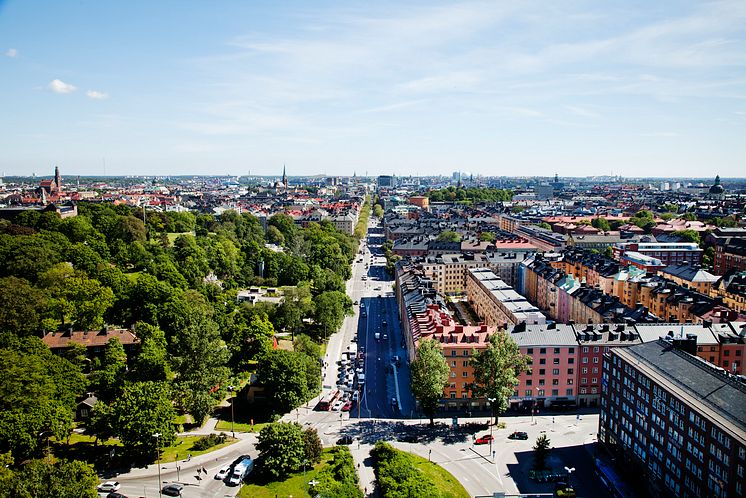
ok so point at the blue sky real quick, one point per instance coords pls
(493, 88)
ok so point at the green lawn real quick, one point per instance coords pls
(225, 426)
(183, 446)
(294, 485)
(173, 235)
(448, 485)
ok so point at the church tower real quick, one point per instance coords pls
(57, 179)
(284, 178)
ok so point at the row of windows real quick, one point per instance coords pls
(541, 392)
(570, 350)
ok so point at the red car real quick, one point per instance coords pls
(484, 439)
(346, 407)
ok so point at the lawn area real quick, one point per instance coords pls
(225, 426)
(294, 485)
(183, 446)
(173, 235)
(448, 485)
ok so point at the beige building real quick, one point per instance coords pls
(496, 303)
(448, 271)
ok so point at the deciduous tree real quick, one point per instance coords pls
(429, 376)
(282, 446)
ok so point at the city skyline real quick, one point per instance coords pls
(423, 89)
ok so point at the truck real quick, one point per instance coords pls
(241, 470)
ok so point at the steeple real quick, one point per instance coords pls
(57, 179)
(284, 178)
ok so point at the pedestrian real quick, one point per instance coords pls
(552, 419)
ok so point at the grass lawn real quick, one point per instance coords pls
(183, 446)
(448, 485)
(294, 485)
(173, 235)
(225, 426)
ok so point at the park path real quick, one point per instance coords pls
(364, 464)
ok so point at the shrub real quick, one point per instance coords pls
(208, 441)
(398, 477)
(339, 478)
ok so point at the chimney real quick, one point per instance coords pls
(688, 344)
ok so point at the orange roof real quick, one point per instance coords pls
(89, 339)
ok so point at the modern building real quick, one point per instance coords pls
(386, 181)
(675, 425)
(669, 253)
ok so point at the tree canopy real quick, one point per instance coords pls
(429, 376)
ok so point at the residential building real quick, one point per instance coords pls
(94, 340)
(675, 425)
(669, 253)
(496, 303)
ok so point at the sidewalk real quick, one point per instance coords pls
(364, 465)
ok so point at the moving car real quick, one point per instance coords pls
(355, 396)
(484, 439)
(518, 435)
(173, 489)
(223, 473)
(407, 438)
(114, 494)
(108, 487)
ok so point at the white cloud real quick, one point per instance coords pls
(59, 86)
(96, 95)
(11, 52)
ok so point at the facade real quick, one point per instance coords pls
(669, 253)
(676, 425)
(730, 254)
(496, 303)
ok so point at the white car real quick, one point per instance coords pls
(223, 473)
(108, 487)
(337, 405)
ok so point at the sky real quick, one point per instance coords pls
(494, 88)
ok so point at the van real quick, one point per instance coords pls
(241, 470)
(361, 379)
(377, 335)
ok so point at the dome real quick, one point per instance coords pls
(717, 188)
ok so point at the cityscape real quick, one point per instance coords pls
(392, 250)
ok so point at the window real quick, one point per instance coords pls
(541, 382)
(542, 350)
(595, 359)
(726, 352)
(529, 382)
(585, 349)
(571, 350)
(453, 395)
(453, 374)
(595, 380)
(529, 350)
(555, 382)
(595, 349)
(465, 363)
(464, 374)
(527, 393)
(466, 352)
(555, 361)
(570, 382)
(453, 352)
(555, 392)
(571, 361)
(584, 370)
(570, 371)
(542, 361)
(466, 395)
(556, 350)
(595, 370)
(568, 392)
(542, 371)
(540, 392)
(555, 371)
(585, 359)
(453, 364)
(584, 380)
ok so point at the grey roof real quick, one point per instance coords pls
(541, 335)
(653, 331)
(690, 273)
(710, 391)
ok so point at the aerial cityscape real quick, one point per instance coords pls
(440, 250)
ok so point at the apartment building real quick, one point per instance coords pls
(675, 425)
(497, 303)
(669, 253)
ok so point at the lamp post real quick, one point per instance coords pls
(492, 409)
(569, 471)
(233, 399)
(429, 455)
(157, 436)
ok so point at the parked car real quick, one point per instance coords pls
(173, 489)
(337, 405)
(408, 438)
(355, 396)
(518, 435)
(345, 440)
(108, 487)
(241, 470)
(484, 439)
(223, 473)
(114, 494)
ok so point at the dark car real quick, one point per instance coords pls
(518, 435)
(115, 495)
(408, 438)
(484, 439)
(345, 440)
(173, 489)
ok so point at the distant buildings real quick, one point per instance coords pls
(675, 425)
(669, 253)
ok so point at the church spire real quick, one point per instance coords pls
(284, 177)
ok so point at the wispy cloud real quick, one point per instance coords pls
(582, 111)
(96, 95)
(11, 52)
(59, 86)
(660, 134)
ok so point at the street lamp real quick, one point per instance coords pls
(492, 409)
(157, 436)
(233, 399)
(569, 471)
(533, 406)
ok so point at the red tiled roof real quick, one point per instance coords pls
(89, 339)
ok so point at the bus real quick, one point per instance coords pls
(328, 400)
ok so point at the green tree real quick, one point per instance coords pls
(487, 236)
(689, 217)
(304, 344)
(75, 297)
(151, 363)
(495, 370)
(601, 223)
(330, 309)
(544, 225)
(21, 306)
(338, 479)
(144, 409)
(63, 478)
(253, 340)
(282, 446)
(284, 376)
(541, 452)
(108, 380)
(296, 305)
(378, 211)
(688, 235)
(448, 236)
(312, 445)
(429, 376)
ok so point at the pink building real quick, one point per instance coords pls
(551, 381)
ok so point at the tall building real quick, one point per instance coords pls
(386, 181)
(674, 424)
